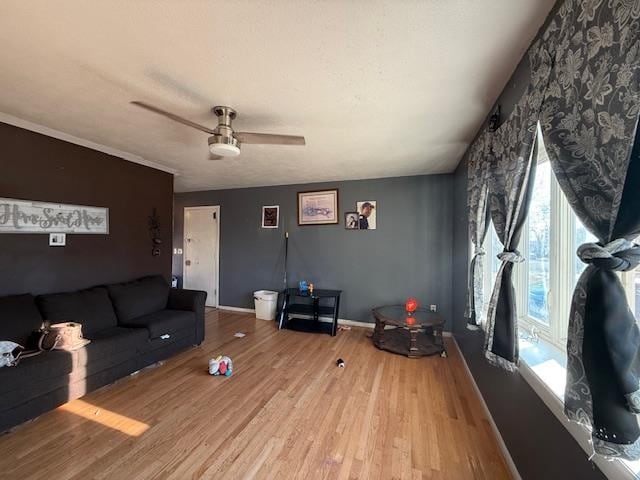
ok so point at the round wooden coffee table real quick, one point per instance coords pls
(415, 335)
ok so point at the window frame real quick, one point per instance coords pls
(487, 259)
(561, 268)
(562, 274)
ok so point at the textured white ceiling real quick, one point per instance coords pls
(378, 88)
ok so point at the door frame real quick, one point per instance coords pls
(216, 209)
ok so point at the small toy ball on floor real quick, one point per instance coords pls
(222, 365)
(340, 363)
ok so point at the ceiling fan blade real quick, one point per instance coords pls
(268, 139)
(173, 117)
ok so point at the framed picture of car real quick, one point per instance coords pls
(318, 207)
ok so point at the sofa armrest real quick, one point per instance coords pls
(192, 301)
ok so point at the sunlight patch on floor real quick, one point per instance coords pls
(106, 418)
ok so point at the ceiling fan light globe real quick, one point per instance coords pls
(224, 146)
(224, 150)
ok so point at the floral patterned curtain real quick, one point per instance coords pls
(477, 194)
(589, 122)
(510, 184)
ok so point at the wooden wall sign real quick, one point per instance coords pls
(24, 216)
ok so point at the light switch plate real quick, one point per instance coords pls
(433, 308)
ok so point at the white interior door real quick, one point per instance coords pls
(201, 251)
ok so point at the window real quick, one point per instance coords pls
(636, 292)
(539, 247)
(544, 282)
(582, 235)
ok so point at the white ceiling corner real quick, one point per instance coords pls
(378, 88)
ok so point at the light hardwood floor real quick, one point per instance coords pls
(287, 412)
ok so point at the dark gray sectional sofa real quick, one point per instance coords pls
(131, 325)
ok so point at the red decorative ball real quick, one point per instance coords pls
(411, 305)
(410, 320)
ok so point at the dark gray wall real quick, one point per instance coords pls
(408, 254)
(538, 443)
(37, 167)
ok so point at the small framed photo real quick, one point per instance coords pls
(270, 216)
(367, 218)
(57, 239)
(318, 207)
(351, 221)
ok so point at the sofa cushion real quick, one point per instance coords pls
(164, 322)
(109, 347)
(92, 308)
(36, 370)
(19, 317)
(177, 337)
(116, 339)
(140, 297)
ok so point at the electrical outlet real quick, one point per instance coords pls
(433, 308)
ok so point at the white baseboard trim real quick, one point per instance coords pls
(341, 321)
(236, 309)
(349, 323)
(503, 447)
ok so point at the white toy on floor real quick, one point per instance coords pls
(222, 365)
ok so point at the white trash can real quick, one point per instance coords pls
(266, 302)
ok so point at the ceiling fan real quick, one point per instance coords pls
(224, 141)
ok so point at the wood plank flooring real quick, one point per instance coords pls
(287, 412)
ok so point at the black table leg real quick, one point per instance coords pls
(316, 309)
(336, 309)
(283, 313)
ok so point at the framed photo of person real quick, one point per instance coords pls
(57, 239)
(318, 207)
(367, 218)
(270, 216)
(351, 221)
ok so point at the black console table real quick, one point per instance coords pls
(291, 306)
